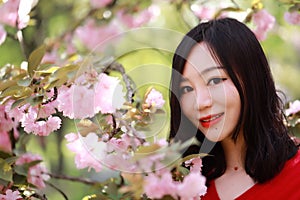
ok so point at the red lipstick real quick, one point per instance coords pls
(210, 120)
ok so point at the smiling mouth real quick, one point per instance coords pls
(210, 120)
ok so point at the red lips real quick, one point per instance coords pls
(210, 120)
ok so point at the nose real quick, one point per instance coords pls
(203, 98)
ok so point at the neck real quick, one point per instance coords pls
(234, 153)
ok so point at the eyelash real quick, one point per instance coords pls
(186, 89)
(218, 79)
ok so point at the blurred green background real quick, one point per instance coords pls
(146, 66)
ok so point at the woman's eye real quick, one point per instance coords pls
(215, 81)
(185, 89)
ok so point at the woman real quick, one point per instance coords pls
(223, 92)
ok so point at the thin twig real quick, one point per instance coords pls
(76, 179)
(128, 82)
(59, 190)
(21, 41)
(129, 128)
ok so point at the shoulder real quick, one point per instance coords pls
(293, 163)
(285, 185)
(290, 170)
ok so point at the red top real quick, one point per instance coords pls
(286, 185)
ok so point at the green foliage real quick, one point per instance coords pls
(35, 59)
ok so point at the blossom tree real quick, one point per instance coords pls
(78, 75)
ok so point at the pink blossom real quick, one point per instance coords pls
(2, 34)
(5, 144)
(17, 113)
(47, 109)
(109, 94)
(193, 186)
(195, 164)
(10, 195)
(94, 37)
(9, 12)
(122, 144)
(23, 12)
(43, 127)
(203, 12)
(155, 99)
(76, 102)
(16, 12)
(292, 17)
(50, 57)
(113, 160)
(293, 108)
(158, 186)
(14, 116)
(83, 101)
(263, 22)
(65, 103)
(87, 150)
(137, 20)
(100, 3)
(36, 173)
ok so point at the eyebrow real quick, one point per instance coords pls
(211, 69)
(205, 71)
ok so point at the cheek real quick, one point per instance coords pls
(187, 102)
(233, 104)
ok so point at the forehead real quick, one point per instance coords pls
(200, 58)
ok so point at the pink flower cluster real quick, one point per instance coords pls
(85, 149)
(41, 127)
(263, 22)
(7, 123)
(96, 37)
(34, 119)
(10, 195)
(37, 173)
(138, 19)
(155, 99)
(203, 12)
(292, 17)
(294, 108)
(15, 13)
(100, 3)
(161, 183)
(84, 99)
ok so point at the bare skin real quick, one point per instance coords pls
(235, 181)
(212, 103)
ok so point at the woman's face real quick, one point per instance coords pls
(209, 98)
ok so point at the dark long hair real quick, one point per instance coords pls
(234, 46)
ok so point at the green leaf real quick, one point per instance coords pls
(35, 100)
(24, 82)
(20, 179)
(64, 71)
(189, 157)
(4, 155)
(23, 169)
(18, 103)
(11, 160)
(3, 182)
(35, 59)
(11, 91)
(144, 151)
(295, 7)
(6, 84)
(25, 92)
(5, 170)
(189, 142)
